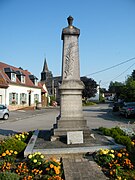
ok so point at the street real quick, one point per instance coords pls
(96, 116)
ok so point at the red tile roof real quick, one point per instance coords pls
(5, 80)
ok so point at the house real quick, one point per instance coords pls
(18, 88)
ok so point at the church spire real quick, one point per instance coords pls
(45, 74)
(45, 67)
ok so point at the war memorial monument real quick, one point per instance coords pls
(71, 121)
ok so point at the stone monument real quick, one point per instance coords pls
(71, 114)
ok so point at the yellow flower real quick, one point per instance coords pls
(35, 160)
(16, 136)
(30, 156)
(23, 136)
(112, 155)
(42, 156)
(15, 152)
(119, 177)
(112, 151)
(39, 153)
(11, 151)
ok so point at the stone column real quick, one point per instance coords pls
(71, 115)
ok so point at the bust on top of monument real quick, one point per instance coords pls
(70, 29)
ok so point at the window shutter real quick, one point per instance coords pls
(16, 98)
(21, 98)
(10, 98)
(26, 98)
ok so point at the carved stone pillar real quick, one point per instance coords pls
(71, 115)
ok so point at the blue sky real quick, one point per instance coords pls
(30, 30)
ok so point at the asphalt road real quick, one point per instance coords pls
(96, 116)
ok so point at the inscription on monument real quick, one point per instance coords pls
(74, 137)
(69, 61)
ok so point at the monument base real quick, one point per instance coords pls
(63, 126)
(71, 114)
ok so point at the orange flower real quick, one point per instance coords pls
(3, 154)
(47, 169)
(119, 155)
(51, 166)
(7, 151)
(111, 173)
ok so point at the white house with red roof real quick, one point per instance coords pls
(18, 87)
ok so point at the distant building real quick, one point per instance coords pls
(52, 83)
(18, 87)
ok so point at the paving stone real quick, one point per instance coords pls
(82, 169)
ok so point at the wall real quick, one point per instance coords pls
(3, 95)
(19, 90)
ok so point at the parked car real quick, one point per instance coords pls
(128, 109)
(117, 106)
(4, 112)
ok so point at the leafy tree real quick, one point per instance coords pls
(129, 89)
(117, 88)
(90, 87)
(125, 91)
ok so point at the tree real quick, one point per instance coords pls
(90, 87)
(117, 88)
(133, 75)
(129, 90)
(124, 91)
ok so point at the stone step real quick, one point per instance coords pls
(79, 168)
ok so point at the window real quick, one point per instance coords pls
(22, 79)
(13, 98)
(23, 98)
(36, 98)
(13, 77)
(36, 82)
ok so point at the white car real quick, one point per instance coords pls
(4, 112)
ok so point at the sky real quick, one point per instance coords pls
(30, 31)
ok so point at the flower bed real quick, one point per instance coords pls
(119, 165)
(35, 166)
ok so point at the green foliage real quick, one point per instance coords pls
(105, 131)
(90, 87)
(52, 99)
(125, 140)
(101, 98)
(88, 103)
(9, 176)
(119, 136)
(12, 143)
(125, 90)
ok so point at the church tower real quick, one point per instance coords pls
(46, 74)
